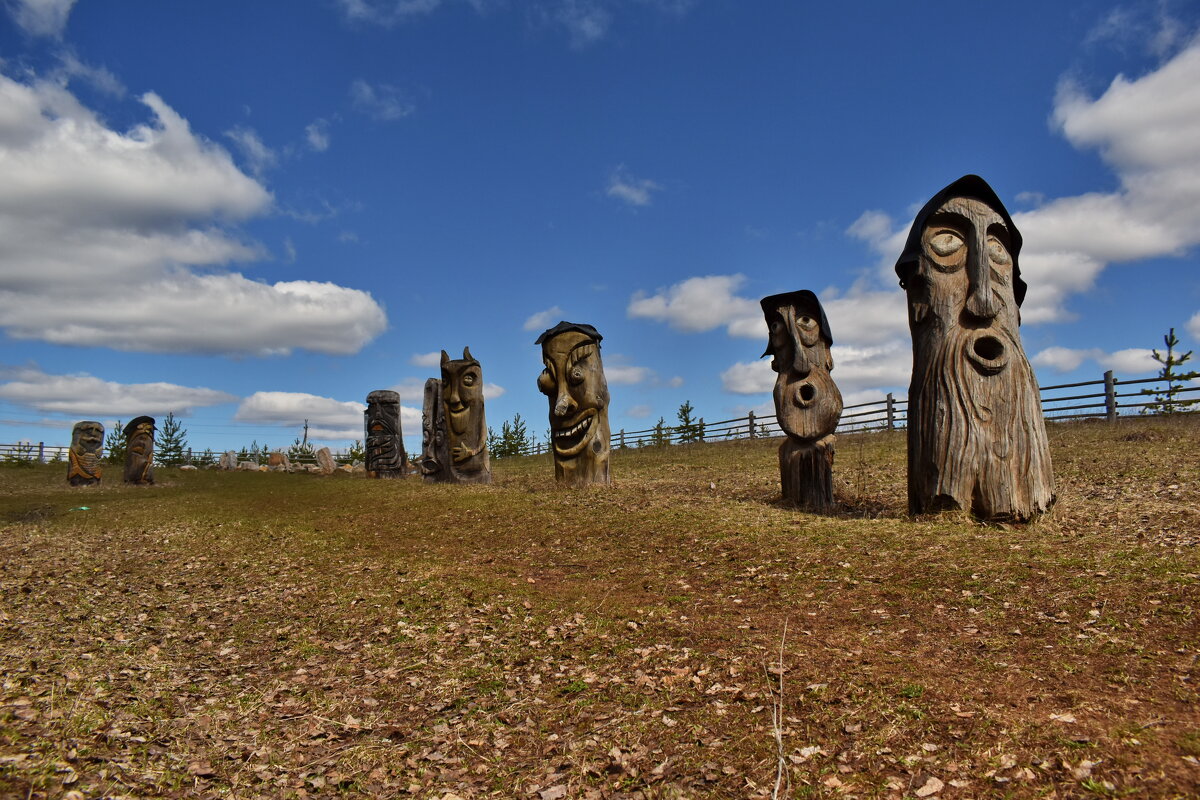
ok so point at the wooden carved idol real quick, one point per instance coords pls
(574, 381)
(139, 451)
(976, 437)
(435, 454)
(808, 404)
(466, 428)
(83, 458)
(385, 456)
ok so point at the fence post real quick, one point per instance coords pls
(1110, 396)
(702, 429)
(41, 452)
(189, 461)
(891, 412)
(622, 438)
(750, 417)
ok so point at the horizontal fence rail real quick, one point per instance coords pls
(1106, 398)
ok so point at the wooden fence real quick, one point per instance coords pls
(1110, 401)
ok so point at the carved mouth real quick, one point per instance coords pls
(571, 437)
(805, 395)
(987, 352)
(456, 416)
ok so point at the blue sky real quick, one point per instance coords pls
(252, 214)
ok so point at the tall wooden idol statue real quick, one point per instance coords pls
(574, 381)
(385, 456)
(83, 458)
(435, 454)
(139, 451)
(808, 404)
(466, 428)
(976, 437)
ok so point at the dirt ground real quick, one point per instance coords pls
(680, 634)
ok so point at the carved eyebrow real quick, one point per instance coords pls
(579, 352)
(1000, 231)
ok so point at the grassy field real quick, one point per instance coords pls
(681, 634)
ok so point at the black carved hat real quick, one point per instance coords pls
(135, 422)
(564, 326)
(966, 186)
(772, 303)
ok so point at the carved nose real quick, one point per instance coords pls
(800, 362)
(981, 303)
(564, 406)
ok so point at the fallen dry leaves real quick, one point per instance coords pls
(242, 635)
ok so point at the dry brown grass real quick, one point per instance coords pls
(245, 635)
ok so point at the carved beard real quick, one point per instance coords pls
(138, 459)
(382, 452)
(84, 457)
(961, 455)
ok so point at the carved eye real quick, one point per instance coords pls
(468, 379)
(946, 248)
(806, 322)
(997, 252)
(545, 382)
(945, 243)
(575, 376)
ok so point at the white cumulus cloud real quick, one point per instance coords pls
(380, 102)
(634, 191)
(1130, 361)
(701, 304)
(41, 17)
(541, 320)
(105, 230)
(317, 135)
(84, 395)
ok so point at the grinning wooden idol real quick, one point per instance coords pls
(574, 381)
(385, 456)
(808, 404)
(466, 428)
(139, 451)
(976, 437)
(83, 457)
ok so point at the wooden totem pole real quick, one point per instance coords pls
(139, 451)
(466, 428)
(976, 437)
(385, 456)
(808, 404)
(574, 381)
(83, 457)
(435, 454)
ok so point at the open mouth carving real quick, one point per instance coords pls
(987, 352)
(571, 437)
(805, 395)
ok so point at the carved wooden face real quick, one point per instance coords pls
(462, 394)
(141, 439)
(87, 437)
(574, 381)
(807, 401)
(965, 280)
(383, 413)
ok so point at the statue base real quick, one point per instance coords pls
(806, 473)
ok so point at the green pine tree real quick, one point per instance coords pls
(688, 429)
(114, 444)
(170, 446)
(1166, 401)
